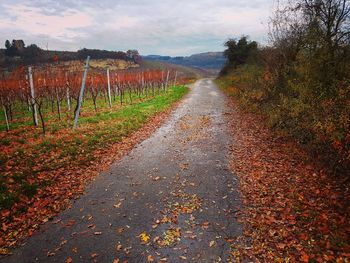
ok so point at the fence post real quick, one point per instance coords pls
(167, 79)
(67, 92)
(32, 94)
(68, 98)
(175, 78)
(81, 94)
(6, 118)
(109, 89)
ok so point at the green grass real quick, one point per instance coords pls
(22, 117)
(129, 118)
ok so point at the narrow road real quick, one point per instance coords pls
(171, 199)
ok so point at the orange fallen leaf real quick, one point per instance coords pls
(5, 251)
(150, 258)
(304, 258)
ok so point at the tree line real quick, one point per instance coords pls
(16, 53)
(301, 80)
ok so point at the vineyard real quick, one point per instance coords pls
(56, 89)
(46, 157)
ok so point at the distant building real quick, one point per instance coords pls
(19, 44)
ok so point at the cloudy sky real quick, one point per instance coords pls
(166, 27)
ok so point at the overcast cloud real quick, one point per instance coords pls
(163, 27)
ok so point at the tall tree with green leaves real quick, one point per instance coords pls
(239, 52)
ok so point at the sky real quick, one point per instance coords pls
(164, 27)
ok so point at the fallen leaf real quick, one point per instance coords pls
(150, 258)
(205, 225)
(119, 247)
(144, 237)
(304, 258)
(118, 205)
(50, 254)
(70, 223)
(5, 251)
(281, 245)
(120, 230)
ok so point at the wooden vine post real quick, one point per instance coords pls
(67, 92)
(175, 79)
(68, 98)
(32, 95)
(6, 118)
(167, 79)
(81, 94)
(109, 89)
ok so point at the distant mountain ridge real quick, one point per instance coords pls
(207, 60)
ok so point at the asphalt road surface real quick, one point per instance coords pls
(171, 199)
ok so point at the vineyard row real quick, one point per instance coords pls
(33, 87)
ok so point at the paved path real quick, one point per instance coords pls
(171, 198)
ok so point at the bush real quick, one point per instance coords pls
(301, 81)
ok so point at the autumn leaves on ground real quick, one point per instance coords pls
(294, 211)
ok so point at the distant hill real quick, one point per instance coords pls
(208, 60)
(184, 72)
